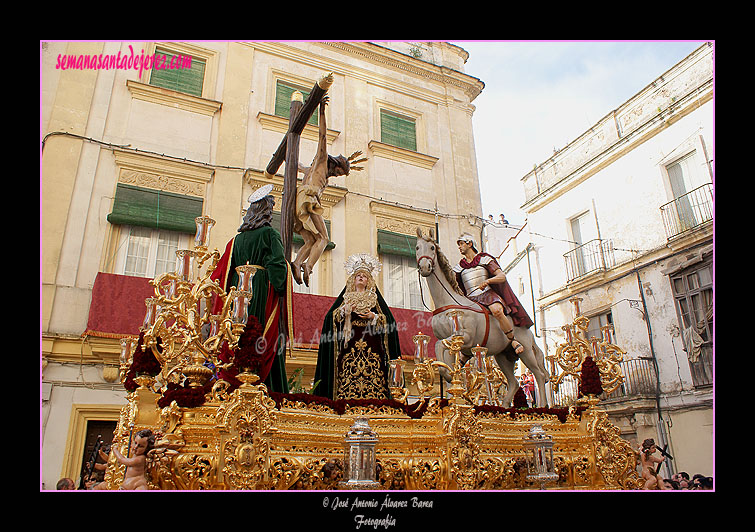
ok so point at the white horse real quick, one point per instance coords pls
(477, 325)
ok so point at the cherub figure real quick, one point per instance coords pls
(649, 472)
(308, 218)
(136, 465)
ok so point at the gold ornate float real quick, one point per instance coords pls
(251, 439)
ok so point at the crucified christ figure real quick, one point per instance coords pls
(308, 219)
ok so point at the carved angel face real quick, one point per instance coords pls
(139, 445)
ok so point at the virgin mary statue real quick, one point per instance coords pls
(358, 338)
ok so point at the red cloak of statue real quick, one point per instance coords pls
(512, 307)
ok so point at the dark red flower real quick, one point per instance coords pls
(143, 363)
(248, 354)
(252, 332)
(590, 383)
(184, 396)
(520, 400)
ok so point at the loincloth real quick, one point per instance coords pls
(307, 204)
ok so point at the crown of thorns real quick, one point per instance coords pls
(353, 160)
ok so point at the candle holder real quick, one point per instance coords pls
(151, 314)
(571, 354)
(240, 310)
(396, 381)
(180, 328)
(455, 317)
(477, 375)
(423, 375)
(197, 373)
(420, 347)
(126, 357)
(454, 345)
(185, 264)
(246, 274)
(202, 236)
(494, 381)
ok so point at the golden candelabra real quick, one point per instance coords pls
(423, 376)
(179, 327)
(571, 355)
(479, 382)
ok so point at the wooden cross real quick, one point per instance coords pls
(288, 152)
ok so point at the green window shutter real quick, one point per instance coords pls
(390, 243)
(398, 130)
(283, 92)
(297, 239)
(155, 209)
(186, 80)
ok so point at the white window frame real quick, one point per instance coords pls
(407, 282)
(152, 251)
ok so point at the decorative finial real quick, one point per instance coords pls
(326, 81)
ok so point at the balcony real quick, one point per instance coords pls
(702, 368)
(688, 211)
(593, 256)
(639, 381)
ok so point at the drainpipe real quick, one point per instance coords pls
(661, 423)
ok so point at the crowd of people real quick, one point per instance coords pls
(681, 481)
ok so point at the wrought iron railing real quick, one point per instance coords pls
(639, 381)
(595, 255)
(688, 211)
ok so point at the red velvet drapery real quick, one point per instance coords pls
(117, 309)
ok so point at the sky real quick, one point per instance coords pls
(539, 96)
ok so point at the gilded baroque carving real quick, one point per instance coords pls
(245, 424)
(247, 441)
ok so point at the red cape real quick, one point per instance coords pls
(515, 310)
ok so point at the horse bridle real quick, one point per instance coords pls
(428, 257)
(419, 277)
(432, 269)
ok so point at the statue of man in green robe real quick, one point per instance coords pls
(257, 243)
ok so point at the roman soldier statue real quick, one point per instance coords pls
(481, 279)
